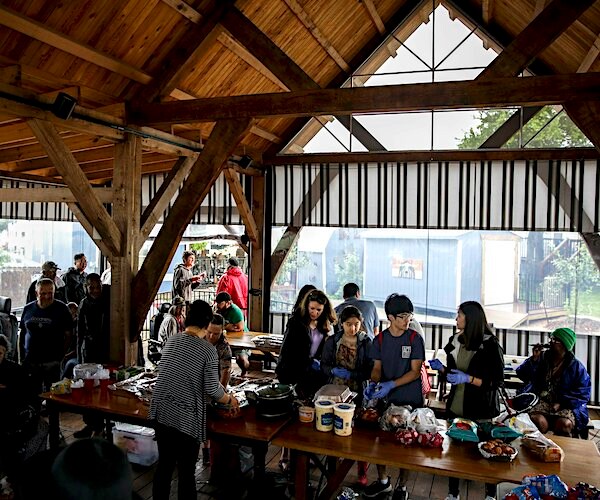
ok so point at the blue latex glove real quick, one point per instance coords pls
(369, 391)
(383, 389)
(341, 373)
(456, 377)
(436, 364)
(316, 365)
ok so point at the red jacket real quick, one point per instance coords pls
(235, 283)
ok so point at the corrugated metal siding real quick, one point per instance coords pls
(509, 195)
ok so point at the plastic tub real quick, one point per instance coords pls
(343, 414)
(306, 414)
(324, 415)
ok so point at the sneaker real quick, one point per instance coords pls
(86, 432)
(452, 497)
(377, 488)
(400, 493)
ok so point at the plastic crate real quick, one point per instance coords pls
(137, 441)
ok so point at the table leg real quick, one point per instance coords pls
(301, 475)
(54, 425)
(259, 451)
(334, 481)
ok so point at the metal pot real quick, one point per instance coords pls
(274, 400)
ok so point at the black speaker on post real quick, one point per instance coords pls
(63, 106)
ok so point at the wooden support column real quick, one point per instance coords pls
(257, 249)
(127, 181)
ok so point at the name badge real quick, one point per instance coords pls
(406, 351)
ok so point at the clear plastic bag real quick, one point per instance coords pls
(395, 417)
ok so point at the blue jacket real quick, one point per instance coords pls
(574, 388)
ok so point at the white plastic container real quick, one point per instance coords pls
(342, 420)
(324, 415)
(137, 441)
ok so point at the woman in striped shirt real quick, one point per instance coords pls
(188, 375)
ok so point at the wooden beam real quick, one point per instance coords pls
(11, 74)
(31, 178)
(592, 241)
(256, 274)
(265, 134)
(89, 228)
(78, 183)
(281, 250)
(185, 10)
(165, 194)
(590, 57)
(536, 36)
(38, 31)
(52, 195)
(487, 10)
(585, 116)
(510, 127)
(205, 171)
(497, 92)
(438, 155)
(374, 15)
(321, 39)
(237, 191)
(190, 48)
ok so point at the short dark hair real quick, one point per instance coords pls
(78, 256)
(188, 253)
(222, 297)
(232, 261)
(350, 290)
(92, 469)
(398, 304)
(92, 277)
(350, 312)
(199, 314)
(217, 319)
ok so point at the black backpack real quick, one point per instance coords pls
(157, 319)
(9, 326)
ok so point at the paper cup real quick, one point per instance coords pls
(324, 415)
(306, 414)
(342, 421)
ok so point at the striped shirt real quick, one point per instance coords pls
(188, 376)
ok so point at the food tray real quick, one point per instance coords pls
(496, 458)
(334, 393)
(273, 340)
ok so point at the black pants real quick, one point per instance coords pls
(453, 489)
(175, 449)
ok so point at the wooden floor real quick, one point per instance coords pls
(420, 485)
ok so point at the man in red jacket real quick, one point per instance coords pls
(235, 283)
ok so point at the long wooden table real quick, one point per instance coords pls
(248, 429)
(463, 460)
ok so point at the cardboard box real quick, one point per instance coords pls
(137, 441)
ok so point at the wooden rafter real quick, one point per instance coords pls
(185, 10)
(556, 17)
(207, 168)
(165, 193)
(487, 10)
(318, 35)
(89, 228)
(496, 92)
(281, 250)
(69, 169)
(590, 57)
(237, 191)
(374, 15)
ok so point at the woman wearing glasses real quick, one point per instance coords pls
(305, 334)
(476, 372)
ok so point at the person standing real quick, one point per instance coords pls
(184, 280)
(303, 341)
(189, 375)
(74, 279)
(172, 323)
(235, 283)
(46, 331)
(366, 307)
(476, 372)
(563, 385)
(396, 377)
(49, 270)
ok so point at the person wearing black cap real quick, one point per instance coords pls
(234, 318)
(235, 283)
(49, 269)
(563, 386)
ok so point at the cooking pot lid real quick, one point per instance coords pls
(274, 390)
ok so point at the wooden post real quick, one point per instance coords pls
(256, 271)
(127, 180)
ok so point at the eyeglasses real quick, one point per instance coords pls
(404, 316)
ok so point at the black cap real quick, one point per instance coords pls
(233, 262)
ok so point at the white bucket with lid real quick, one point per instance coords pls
(324, 415)
(342, 421)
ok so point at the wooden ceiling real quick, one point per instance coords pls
(115, 57)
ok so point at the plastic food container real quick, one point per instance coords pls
(137, 441)
(324, 415)
(342, 420)
(306, 414)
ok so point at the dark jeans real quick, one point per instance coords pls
(175, 449)
(43, 375)
(453, 489)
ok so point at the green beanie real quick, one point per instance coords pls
(566, 336)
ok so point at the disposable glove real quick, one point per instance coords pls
(383, 389)
(341, 373)
(436, 364)
(316, 365)
(369, 391)
(456, 377)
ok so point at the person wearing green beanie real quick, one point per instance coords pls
(563, 386)
(566, 336)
